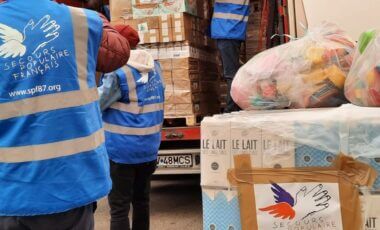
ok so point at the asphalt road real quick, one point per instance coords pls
(176, 204)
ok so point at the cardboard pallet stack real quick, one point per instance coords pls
(276, 144)
(174, 32)
(253, 30)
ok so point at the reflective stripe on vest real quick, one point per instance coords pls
(135, 109)
(131, 84)
(47, 103)
(131, 130)
(80, 27)
(238, 2)
(52, 150)
(237, 17)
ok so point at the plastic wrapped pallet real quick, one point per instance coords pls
(285, 142)
(306, 73)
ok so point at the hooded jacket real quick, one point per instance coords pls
(135, 97)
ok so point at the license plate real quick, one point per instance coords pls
(175, 161)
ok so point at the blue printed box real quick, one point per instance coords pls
(307, 156)
(220, 210)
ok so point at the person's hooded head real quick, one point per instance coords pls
(129, 33)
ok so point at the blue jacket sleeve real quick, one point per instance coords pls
(109, 90)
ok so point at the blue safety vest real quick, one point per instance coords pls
(133, 124)
(52, 152)
(230, 19)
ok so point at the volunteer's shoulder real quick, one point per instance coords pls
(114, 50)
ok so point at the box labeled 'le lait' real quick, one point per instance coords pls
(215, 151)
(246, 139)
(371, 211)
(224, 136)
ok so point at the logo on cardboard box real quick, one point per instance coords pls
(296, 206)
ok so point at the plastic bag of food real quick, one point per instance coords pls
(306, 73)
(363, 82)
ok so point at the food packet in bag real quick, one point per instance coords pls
(306, 73)
(362, 86)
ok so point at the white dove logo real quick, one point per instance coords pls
(37, 34)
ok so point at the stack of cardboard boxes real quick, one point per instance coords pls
(175, 33)
(253, 31)
(166, 28)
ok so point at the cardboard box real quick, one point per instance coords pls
(337, 186)
(166, 64)
(215, 151)
(185, 97)
(277, 152)
(246, 139)
(169, 94)
(167, 76)
(144, 24)
(240, 135)
(203, 107)
(186, 63)
(185, 34)
(183, 74)
(120, 10)
(150, 36)
(181, 110)
(162, 23)
(183, 84)
(166, 35)
(307, 156)
(306, 138)
(148, 8)
(176, 50)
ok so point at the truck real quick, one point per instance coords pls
(180, 147)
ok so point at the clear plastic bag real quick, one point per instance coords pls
(363, 82)
(305, 73)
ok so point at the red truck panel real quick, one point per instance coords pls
(181, 133)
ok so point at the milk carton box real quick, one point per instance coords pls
(246, 139)
(215, 151)
(277, 151)
(371, 211)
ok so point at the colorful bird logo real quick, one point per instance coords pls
(307, 202)
(284, 204)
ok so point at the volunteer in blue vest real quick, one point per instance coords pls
(132, 98)
(229, 27)
(53, 160)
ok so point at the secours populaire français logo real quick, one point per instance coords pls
(38, 33)
(33, 49)
(296, 206)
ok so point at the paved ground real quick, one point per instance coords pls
(175, 205)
